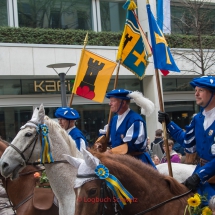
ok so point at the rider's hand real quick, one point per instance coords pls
(192, 182)
(163, 117)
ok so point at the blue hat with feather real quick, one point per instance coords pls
(67, 113)
(147, 106)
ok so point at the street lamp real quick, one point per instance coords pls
(62, 79)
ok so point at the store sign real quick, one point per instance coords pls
(51, 85)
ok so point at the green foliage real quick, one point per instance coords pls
(76, 37)
(189, 41)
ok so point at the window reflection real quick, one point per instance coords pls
(3, 13)
(11, 119)
(112, 15)
(177, 84)
(61, 14)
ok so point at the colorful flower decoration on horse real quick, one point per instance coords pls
(46, 150)
(102, 171)
(114, 184)
(45, 130)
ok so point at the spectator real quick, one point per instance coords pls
(155, 159)
(157, 144)
(174, 158)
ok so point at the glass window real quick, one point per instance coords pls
(11, 119)
(10, 87)
(169, 84)
(181, 112)
(182, 18)
(3, 13)
(61, 14)
(52, 86)
(177, 84)
(113, 16)
(129, 84)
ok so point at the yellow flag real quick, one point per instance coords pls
(93, 76)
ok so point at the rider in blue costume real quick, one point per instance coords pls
(127, 127)
(199, 136)
(67, 118)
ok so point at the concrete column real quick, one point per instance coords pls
(151, 92)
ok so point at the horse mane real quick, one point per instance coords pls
(58, 129)
(147, 173)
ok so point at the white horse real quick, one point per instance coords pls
(180, 171)
(26, 148)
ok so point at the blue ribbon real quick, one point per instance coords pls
(46, 150)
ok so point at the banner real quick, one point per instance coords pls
(163, 59)
(133, 50)
(164, 16)
(93, 76)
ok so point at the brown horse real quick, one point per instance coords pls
(20, 190)
(153, 193)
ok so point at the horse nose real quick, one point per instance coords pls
(4, 166)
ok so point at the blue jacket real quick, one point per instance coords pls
(196, 139)
(116, 136)
(77, 135)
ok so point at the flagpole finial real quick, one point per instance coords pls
(130, 5)
(147, 1)
(86, 40)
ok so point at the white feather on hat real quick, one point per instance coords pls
(147, 106)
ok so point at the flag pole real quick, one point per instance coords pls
(163, 123)
(82, 54)
(114, 87)
(103, 140)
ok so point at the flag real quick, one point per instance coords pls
(164, 22)
(163, 59)
(134, 49)
(93, 76)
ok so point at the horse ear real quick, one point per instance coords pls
(73, 161)
(35, 114)
(90, 160)
(41, 114)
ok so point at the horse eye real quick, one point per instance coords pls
(28, 134)
(92, 192)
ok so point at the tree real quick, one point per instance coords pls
(197, 18)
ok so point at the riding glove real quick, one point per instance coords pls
(162, 116)
(192, 182)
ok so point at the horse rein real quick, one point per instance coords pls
(163, 203)
(27, 198)
(104, 192)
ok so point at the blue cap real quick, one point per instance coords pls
(207, 82)
(119, 94)
(67, 113)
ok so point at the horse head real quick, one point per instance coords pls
(21, 149)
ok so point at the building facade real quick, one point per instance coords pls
(26, 81)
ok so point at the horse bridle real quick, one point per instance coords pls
(104, 192)
(21, 153)
(34, 141)
(104, 186)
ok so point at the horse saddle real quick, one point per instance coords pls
(43, 198)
